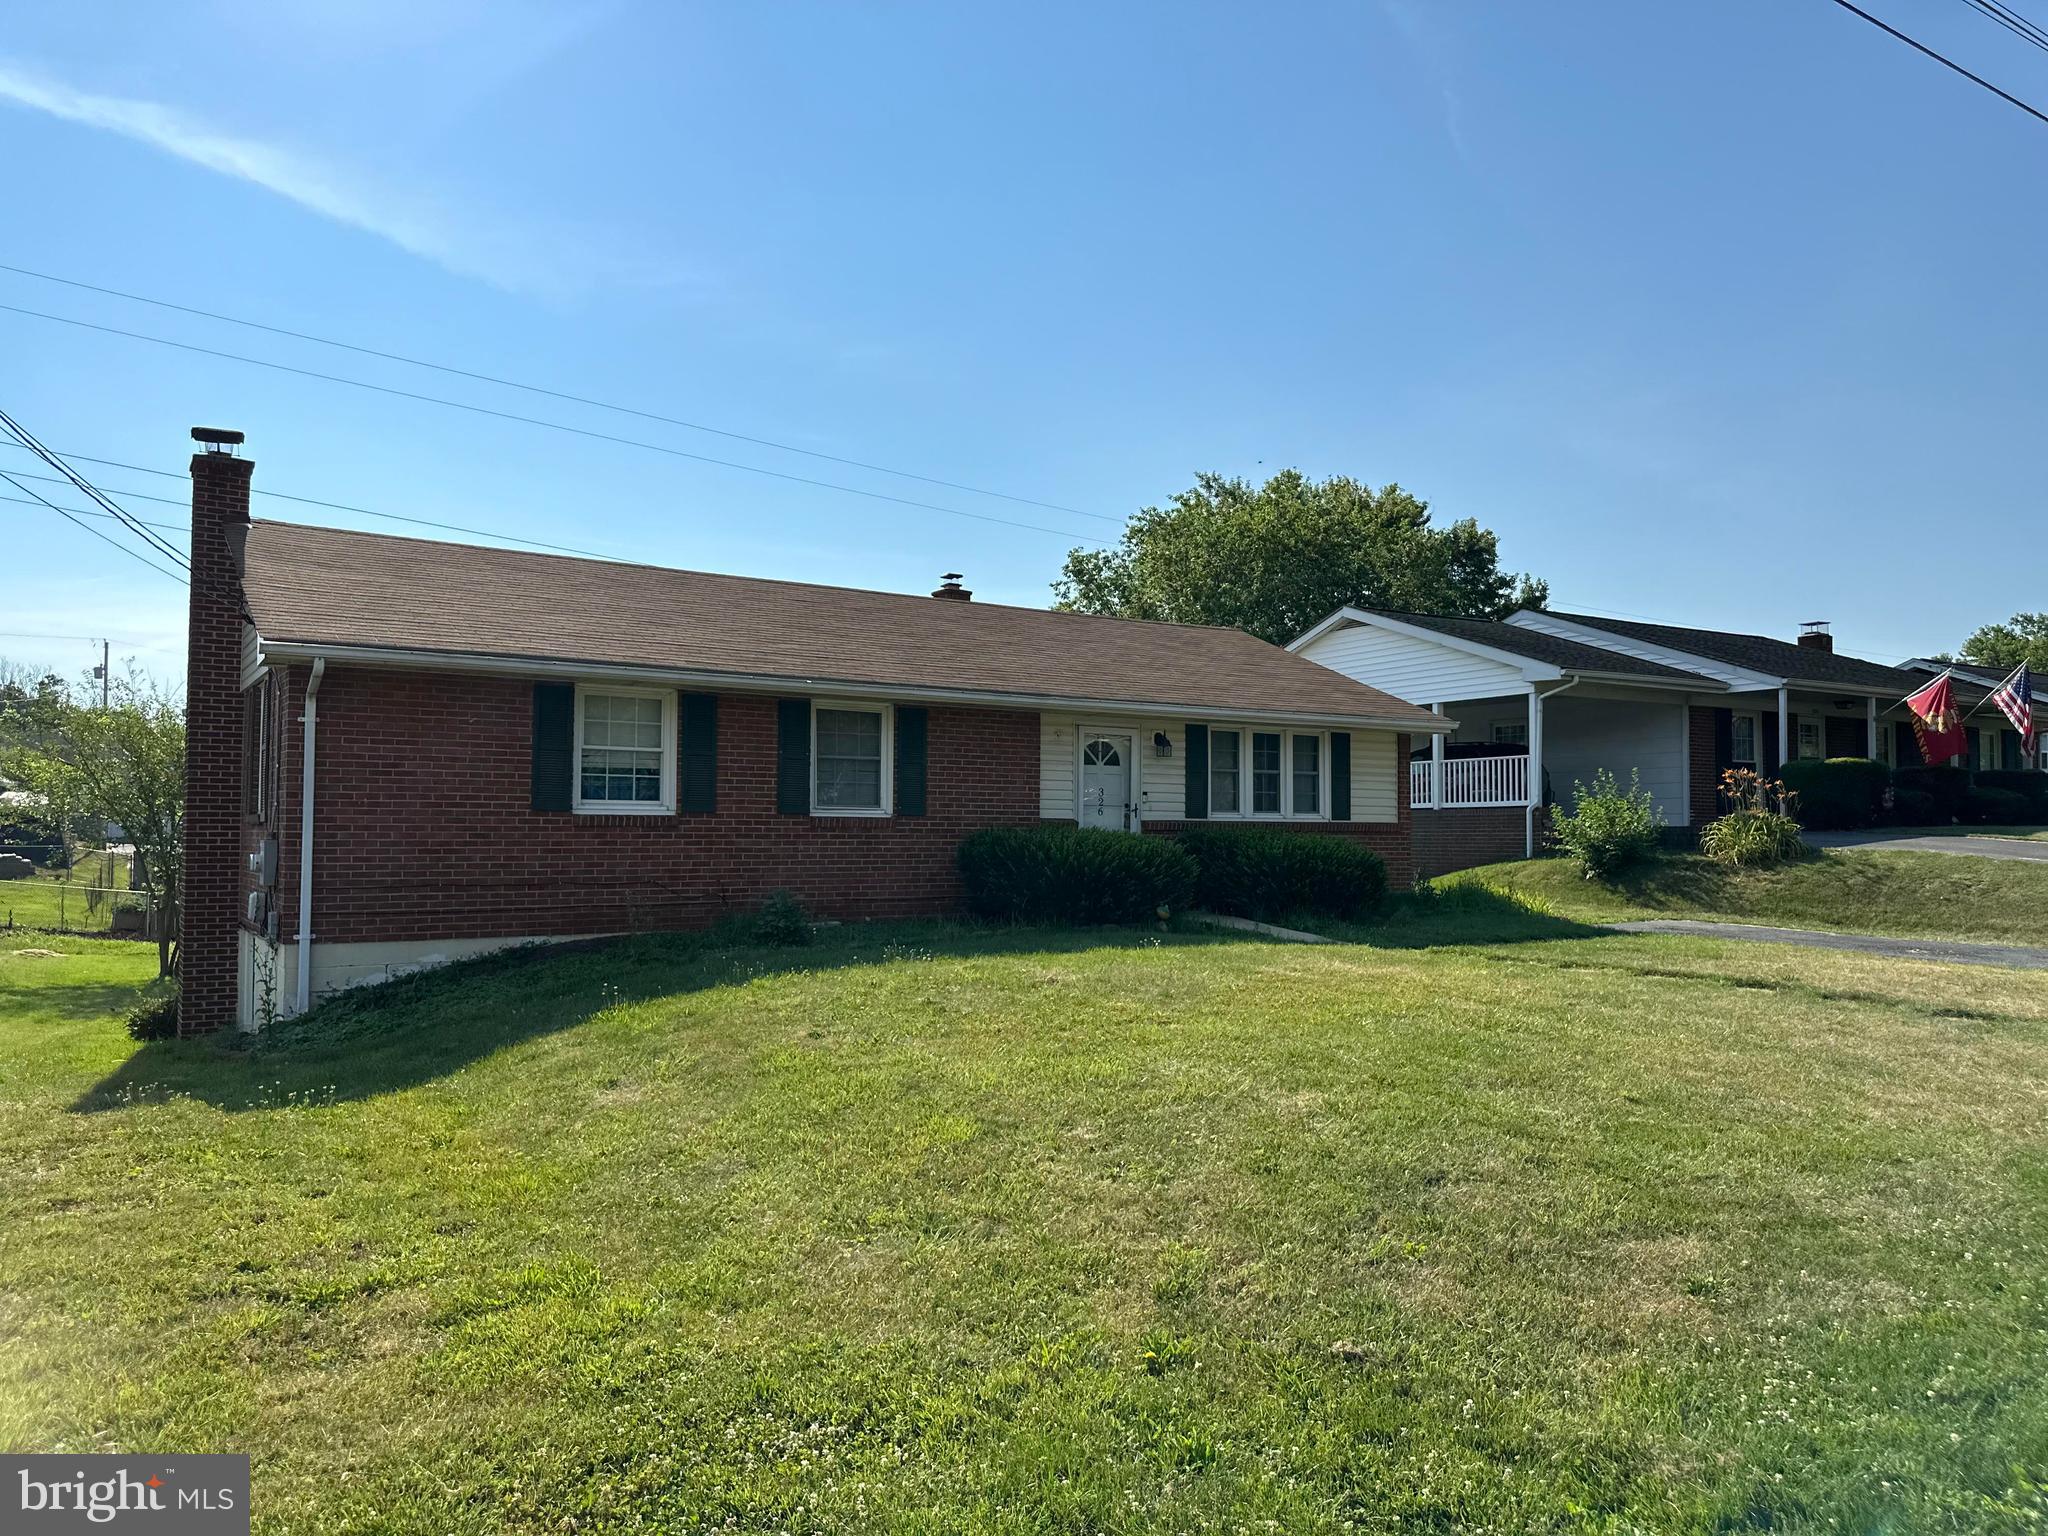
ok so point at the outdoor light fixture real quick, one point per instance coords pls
(1162, 744)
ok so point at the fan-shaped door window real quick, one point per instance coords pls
(1106, 799)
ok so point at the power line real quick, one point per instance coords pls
(540, 421)
(1938, 58)
(2011, 20)
(310, 501)
(128, 550)
(29, 441)
(552, 394)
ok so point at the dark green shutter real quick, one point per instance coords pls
(1197, 755)
(1767, 749)
(697, 752)
(1724, 743)
(911, 728)
(793, 757)
(554, 746)
(1340, 775)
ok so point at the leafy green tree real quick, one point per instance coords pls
(2002, 647)
(124, 764)
(1277, 558)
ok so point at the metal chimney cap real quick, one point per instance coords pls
(217, 437)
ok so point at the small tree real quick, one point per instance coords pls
(124, 764)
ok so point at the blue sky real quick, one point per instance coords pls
(1723, 313)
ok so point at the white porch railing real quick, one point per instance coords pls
(1470, 781)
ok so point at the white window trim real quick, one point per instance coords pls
(1511, 738)
(1286, 733)
(1756, 740)
(1818, 724)
(666, 806)
(859, 707)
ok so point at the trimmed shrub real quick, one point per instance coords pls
(1610, 829)
(2032, 787)
(781, 920)
(1945, 786)
(1995, 808)
(1265, 872)
(1913, 808)
(1840, 793)
(1752, 839)
(154, 1014)
(1061, 874)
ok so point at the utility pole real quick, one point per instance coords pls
(106, 676)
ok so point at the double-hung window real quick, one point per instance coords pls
(625, 750)
(1812, 736)
(1308, 777)
(1226, 772)
(1742, 742)
(1266, 773)
(850, 760)
(1281, 775)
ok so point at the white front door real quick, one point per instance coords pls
(1106, 781)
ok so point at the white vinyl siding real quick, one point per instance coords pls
(1420, 671)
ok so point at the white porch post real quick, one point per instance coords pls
(1871, 746)
(1784, 727)
(1534, 797)
(1436, 763)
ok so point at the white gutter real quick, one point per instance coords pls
(1418, 722)
(1536, 701)
(304, 991)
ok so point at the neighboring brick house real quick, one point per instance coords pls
(403, 752)
(1544, 701)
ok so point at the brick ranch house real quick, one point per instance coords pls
(1545, 700)
(403, 752)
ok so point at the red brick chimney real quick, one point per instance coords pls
(950, 590)
(208, 915)
(1814, 636)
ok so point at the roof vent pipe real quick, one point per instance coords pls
(951, 590)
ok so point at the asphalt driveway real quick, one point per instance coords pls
(1908, 841)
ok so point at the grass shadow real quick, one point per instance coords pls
(1436, 917)
(399, 1034)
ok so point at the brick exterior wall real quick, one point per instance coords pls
(212, 881)
(1466, 838)
(1704, 774)
(423, 827)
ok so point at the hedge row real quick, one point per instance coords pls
(1077, 875)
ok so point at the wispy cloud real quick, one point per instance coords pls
(468, 244)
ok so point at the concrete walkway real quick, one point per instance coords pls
(1911, 842)
(1952, 951)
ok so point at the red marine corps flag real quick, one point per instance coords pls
(1937, 722)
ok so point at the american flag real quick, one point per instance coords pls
(2015, 700)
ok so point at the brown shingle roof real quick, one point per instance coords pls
(1758, 653)
(309, 587)
(1553, 650)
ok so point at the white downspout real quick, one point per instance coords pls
(304, 990)
(1534, 795)
(1784, 726)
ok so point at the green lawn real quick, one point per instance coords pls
(1849, 890)
(56, 899)
(928, 1230)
